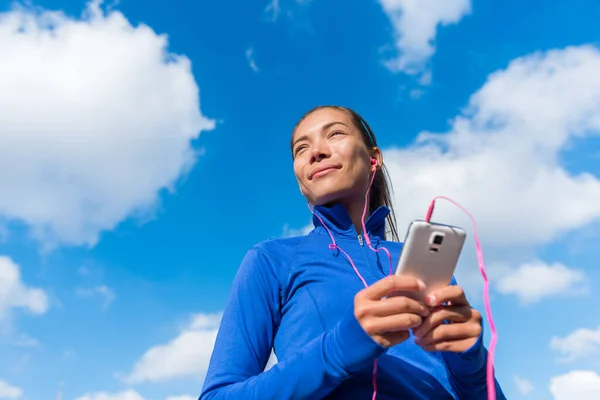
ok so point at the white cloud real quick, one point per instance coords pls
(124, 395)
(96, 118)
(106, 293)
(274, 9)
(501, 158)
(24, 340)
(181, 398)
(291, 10)
(271, 361)
(416, 94)
(523, 385)
(290, 232)
(535, 281)
(186, 355)
(9, 392)
(250, 59)
(416, 23)
(580, 385)
(15, 294)
(579, 344)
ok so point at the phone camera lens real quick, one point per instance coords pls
(438, 239)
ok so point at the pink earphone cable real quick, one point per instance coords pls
(491, 386)
(364, 228)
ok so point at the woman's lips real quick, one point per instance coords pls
(319, 172)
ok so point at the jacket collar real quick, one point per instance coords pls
(336, 218)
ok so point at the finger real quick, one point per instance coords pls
(441, 314)
(390, 284)
(453, 294)
(391, 323)
(456, 346)
(393, 338)
(450, 332)
(397, 305)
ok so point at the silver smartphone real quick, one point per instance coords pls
(430, 253)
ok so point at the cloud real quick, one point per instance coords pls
(579, 344)
(290, 232)
(292, 10)
(96, 119)
(186, 355)
(416, 23)
(24, 340)
(501, 159)
(124, 395)
(103, 291)
(274, 9)
(250, 59)
(271, 361)
(580, 385)
(9, 392)
(523, 385)
(535, 281)
(15, 294)
(181, 398)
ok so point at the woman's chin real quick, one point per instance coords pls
(328, 200)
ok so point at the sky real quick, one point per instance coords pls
(144, 148)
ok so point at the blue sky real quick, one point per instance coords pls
(144, 148)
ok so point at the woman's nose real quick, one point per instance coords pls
(319, 152)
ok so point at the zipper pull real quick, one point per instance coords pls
(360, 240)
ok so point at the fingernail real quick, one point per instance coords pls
(420, 284)
(431, 300)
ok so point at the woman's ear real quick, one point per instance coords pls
(376, 154)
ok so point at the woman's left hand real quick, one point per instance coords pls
(463, 329)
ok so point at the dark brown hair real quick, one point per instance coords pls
(381, 191)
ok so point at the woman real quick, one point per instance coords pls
(320, 300)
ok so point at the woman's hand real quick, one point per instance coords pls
(463, 329)
(389, 320)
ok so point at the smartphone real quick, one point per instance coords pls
(430, 253)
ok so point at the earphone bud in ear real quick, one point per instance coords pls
(374, 161)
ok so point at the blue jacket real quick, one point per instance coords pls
(296, 295)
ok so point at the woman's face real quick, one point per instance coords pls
(331, 161)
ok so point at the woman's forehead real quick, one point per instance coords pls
(321, 118)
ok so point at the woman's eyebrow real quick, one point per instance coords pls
(323, 128)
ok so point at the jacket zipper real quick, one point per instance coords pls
(366, 260)
(365, 257)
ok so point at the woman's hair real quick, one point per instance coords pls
(382, 187)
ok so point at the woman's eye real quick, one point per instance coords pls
(334, 133)
(299, 149)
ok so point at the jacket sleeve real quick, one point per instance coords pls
(246, 335)
(468, 371)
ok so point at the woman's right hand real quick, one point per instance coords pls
(388, 319)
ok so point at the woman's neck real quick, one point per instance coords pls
(355, 210)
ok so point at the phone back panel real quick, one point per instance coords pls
(430, 253)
